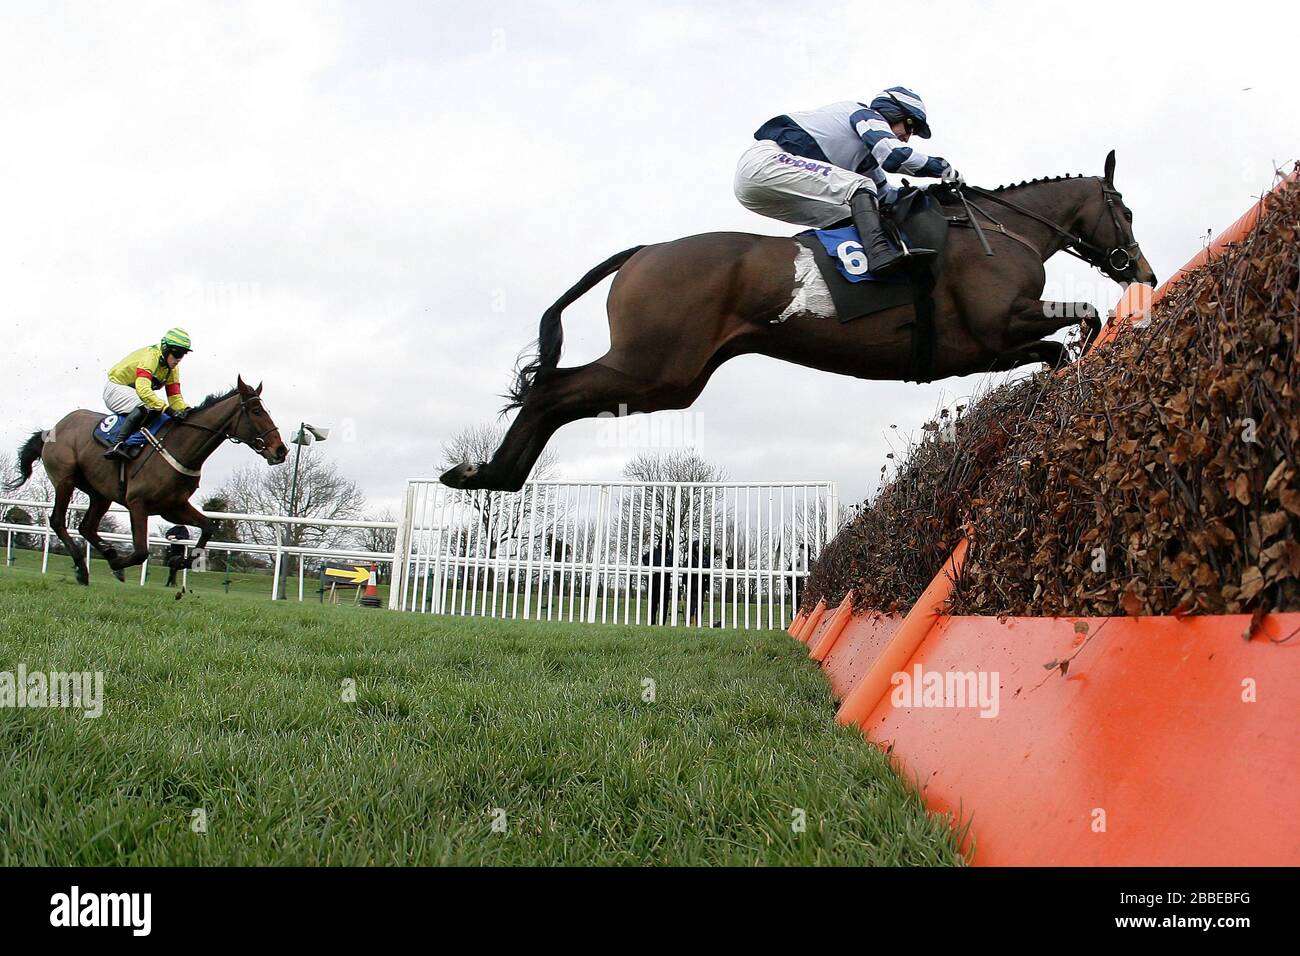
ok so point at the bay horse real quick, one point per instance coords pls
(678, 310)
(159, 482)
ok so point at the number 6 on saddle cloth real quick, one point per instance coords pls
(843, 264)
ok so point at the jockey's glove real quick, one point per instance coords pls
(181, 413)
(950, 175)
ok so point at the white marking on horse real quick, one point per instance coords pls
(810, 296)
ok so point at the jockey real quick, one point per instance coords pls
(131, 383)
(816, 167)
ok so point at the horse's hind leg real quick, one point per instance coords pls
(562, 396)
(59, 522)
(558, 396)
(89, 529)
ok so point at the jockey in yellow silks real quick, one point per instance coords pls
(129, 391)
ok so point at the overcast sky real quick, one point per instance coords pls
(368, 205)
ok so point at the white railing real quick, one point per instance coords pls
(278, 550)
(729, 554)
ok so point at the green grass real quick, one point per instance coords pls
(232, 704)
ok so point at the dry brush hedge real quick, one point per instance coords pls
(1158, 476)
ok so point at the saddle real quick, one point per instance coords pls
(919, 221)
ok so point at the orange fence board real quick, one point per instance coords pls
(1148, 726)
(861, 642)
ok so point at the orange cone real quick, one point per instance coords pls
(371, 597)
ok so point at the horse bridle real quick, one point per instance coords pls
(1118, 262)
(257, 443)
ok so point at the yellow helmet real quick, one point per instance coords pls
(177, 339)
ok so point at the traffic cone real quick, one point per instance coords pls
(371, 597)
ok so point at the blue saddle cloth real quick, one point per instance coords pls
(105, 430)
(844, 246)
(842, 261)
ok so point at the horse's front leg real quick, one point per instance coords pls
(139, 539)
(1048, 352)
(1046, 316)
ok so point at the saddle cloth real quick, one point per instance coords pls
(103, 429)
(837, 250)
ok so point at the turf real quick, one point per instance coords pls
(235, 706)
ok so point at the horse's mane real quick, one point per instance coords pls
(1031, 182)
(214, 398)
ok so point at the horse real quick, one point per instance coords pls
(159, 482)
(678, 310)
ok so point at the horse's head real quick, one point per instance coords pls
(254, 426)
(1107, 224)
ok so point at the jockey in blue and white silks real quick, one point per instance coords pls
(817, 167)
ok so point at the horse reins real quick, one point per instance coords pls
(258, 442)
(1116, 261)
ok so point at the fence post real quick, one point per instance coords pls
(597, 569)
(397, 577)
(528, 558)
(832, 512)
(677, 535)
(279, 556)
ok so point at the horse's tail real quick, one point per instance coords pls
(27, 456)
(550, 333)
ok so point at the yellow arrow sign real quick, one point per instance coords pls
(354, 575)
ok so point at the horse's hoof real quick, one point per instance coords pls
(462, 476)
(117, 573)
(82, 577)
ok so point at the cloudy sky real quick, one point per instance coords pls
(368, 205)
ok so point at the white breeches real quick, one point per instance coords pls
(120, 398)
(772, 182)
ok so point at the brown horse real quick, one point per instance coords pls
(159, 482)
(678, 310)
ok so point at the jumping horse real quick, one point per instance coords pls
(678, 310)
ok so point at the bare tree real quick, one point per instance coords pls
(681, 465)
(377, 539)
(478, 443)
(322, 492)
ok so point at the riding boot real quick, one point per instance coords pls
(882, 257)
(127, 427)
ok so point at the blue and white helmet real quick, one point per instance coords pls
(898, 102)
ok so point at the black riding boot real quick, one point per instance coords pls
(882, 257)
(134, 419)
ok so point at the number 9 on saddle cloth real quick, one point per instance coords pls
(106, 430)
